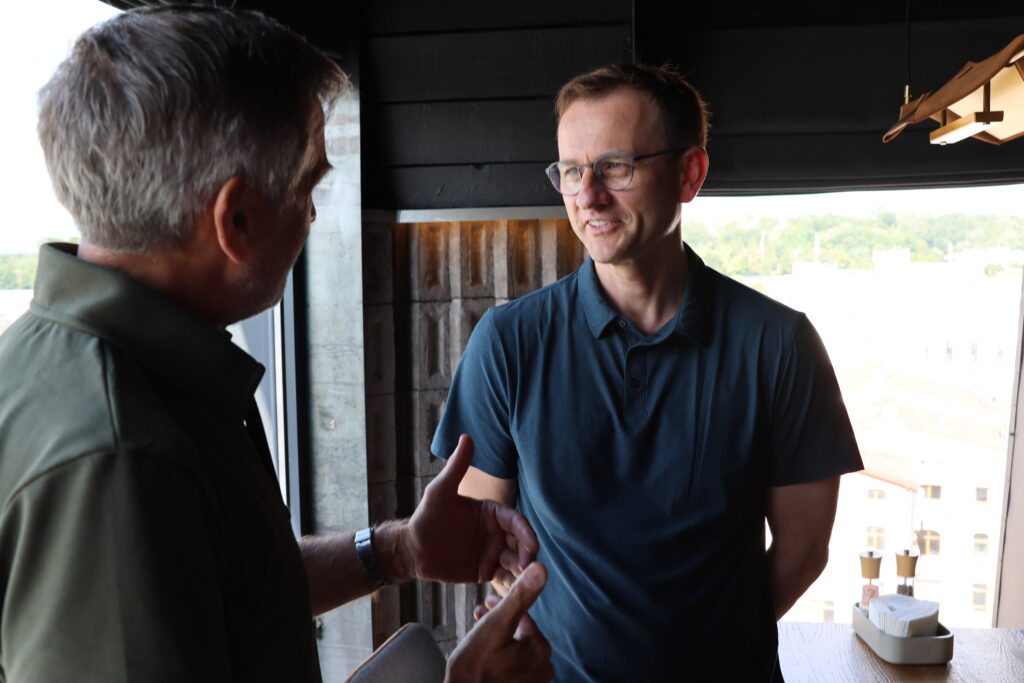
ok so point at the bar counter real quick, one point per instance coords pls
(833, 652)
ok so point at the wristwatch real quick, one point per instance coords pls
(364, 549)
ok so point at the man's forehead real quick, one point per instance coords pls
(623, 116)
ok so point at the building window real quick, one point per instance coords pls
(980, 545)
(981, 494)
(980, 596)
(876, 494)
(932, 492)
(876, 537)
(928, 542)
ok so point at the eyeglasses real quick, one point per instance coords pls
(614, 171)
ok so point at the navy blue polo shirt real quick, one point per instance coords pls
(643, 462)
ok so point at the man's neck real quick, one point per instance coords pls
(163, 272)
(649, 291)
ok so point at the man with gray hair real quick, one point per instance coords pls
(142, 532)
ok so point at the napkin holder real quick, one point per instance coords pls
(937, 649)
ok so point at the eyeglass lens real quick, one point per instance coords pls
(615, 173)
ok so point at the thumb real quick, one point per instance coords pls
(506, 615)
(447, 482)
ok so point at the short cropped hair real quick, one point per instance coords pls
(156, 108)
(683, 111)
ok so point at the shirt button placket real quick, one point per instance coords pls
(634, 382)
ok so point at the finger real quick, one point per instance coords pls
(489, 603)
(514, 524)
(504, 577)
(512, 542)
(447, 482)
(526, 628)
(509, 561)
(505, 617)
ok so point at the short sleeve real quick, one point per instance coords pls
(812, 438)
(111, 575)
(479, 404)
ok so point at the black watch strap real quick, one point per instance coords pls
(364, 549)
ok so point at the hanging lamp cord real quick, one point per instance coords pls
(906, 88)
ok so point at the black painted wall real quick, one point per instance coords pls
(456, 95)
(457, 104)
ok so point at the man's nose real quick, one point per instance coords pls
(592, 191)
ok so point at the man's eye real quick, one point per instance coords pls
(571, 173)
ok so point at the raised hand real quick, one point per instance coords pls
(456, 539)
(505, 645)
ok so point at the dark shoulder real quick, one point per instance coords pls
(70, 395)
(748, 304)
(743, 319)
(542, 305)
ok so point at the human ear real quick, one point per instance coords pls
(695, 170)
(234, 217)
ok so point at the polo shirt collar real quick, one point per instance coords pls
(692, 320)
(167, 339)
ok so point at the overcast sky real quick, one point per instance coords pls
(36, 36)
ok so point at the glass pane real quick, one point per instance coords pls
(916, 295)
(32, 43)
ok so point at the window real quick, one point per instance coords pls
(980, 546)
(981, 494)
(928, 542)
(876, 538)
(921, 331)
(980, 596)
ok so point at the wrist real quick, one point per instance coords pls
(391, 541)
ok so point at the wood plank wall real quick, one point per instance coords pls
(426, 285)
(457, 104)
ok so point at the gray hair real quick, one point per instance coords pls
(156, 108)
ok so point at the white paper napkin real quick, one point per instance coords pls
(903, 616)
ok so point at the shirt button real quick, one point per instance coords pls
(634, 382)
(622, 323)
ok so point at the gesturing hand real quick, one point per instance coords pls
(456, 539)
(506, 645)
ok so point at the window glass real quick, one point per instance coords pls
(916, 295)
(876, 538)
(980, 546)
(979, 598)
(33, 41)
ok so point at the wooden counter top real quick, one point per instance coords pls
(833, 652)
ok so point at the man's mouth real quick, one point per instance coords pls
(600, 225)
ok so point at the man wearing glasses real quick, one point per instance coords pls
(648, 414)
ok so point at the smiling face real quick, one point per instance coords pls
(625, 226)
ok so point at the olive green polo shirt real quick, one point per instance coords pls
(141, 536)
